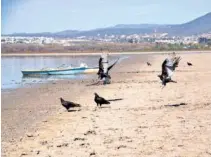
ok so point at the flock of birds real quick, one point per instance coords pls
(98, 100)
(168, 67)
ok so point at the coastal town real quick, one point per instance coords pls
(133, 38)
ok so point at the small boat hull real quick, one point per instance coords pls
(67, 71)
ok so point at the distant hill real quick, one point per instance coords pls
(143, 26)
(194, 27)
(197, 26)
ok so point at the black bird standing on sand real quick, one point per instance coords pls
(149, 64)
(100, 100)
(189, 64)
(168, 67)
(69, 104)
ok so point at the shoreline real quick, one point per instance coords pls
(99, 53)
(26, 80)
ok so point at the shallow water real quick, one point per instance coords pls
(12, 66)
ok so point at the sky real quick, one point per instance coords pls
(32, 16)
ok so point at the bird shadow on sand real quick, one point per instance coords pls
(176, 105)
(73, 110)
(118, 99)
(97, 83)
(105, 107)
(111, 100)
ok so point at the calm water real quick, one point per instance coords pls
(12, 66)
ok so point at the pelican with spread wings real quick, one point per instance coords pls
(168, 67)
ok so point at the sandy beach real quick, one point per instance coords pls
(96, 53)
(142, 124)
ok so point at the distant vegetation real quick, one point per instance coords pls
(99, 46)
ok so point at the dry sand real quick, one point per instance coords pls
(35, 124)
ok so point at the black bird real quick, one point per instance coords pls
(101, 73)
(111, 66)
(168, 67)
(69, 104)
(149, 64)
(100, 100)
(189, 64)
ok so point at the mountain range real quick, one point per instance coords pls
(197, 26)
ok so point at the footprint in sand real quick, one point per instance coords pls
(90, 132)
(121, 146)
(79, 139)
(84, 145)
(44, 142)
(63, 145)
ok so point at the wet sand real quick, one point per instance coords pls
(142, 124)
(96, 53)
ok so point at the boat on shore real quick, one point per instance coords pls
(83, 69)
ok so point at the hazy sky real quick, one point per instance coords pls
(58, 15)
